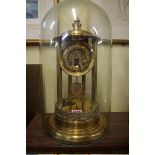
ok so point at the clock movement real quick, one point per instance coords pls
(76, 68)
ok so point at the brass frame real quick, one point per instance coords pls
(61, 126)
(75, 73)
(94, 74)
(83, 93)
(59, 81)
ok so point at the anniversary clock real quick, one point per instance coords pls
(75, 53)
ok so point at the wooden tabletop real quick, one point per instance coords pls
(116, 141)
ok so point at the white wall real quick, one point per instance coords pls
(120, 78)
(32, 55)
(117, 11)
(120, 75)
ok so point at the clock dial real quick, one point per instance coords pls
(76, 59)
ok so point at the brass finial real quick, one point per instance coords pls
(77, 25)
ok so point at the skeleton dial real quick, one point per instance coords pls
(76, 59)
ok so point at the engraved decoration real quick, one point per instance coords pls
(79, 116)
(76, 59)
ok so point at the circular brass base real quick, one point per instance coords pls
(76, 132)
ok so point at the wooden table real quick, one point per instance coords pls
(116, 141)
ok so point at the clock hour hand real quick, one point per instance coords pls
(77, 63)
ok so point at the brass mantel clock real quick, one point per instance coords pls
(76, 66)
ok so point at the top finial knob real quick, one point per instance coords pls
(77, 25)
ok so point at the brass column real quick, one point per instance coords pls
(94, 73)
(69, 89)
(59, 81)
(83, 91)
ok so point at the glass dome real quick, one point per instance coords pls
(75, 53)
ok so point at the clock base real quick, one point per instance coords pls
(76, 132)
